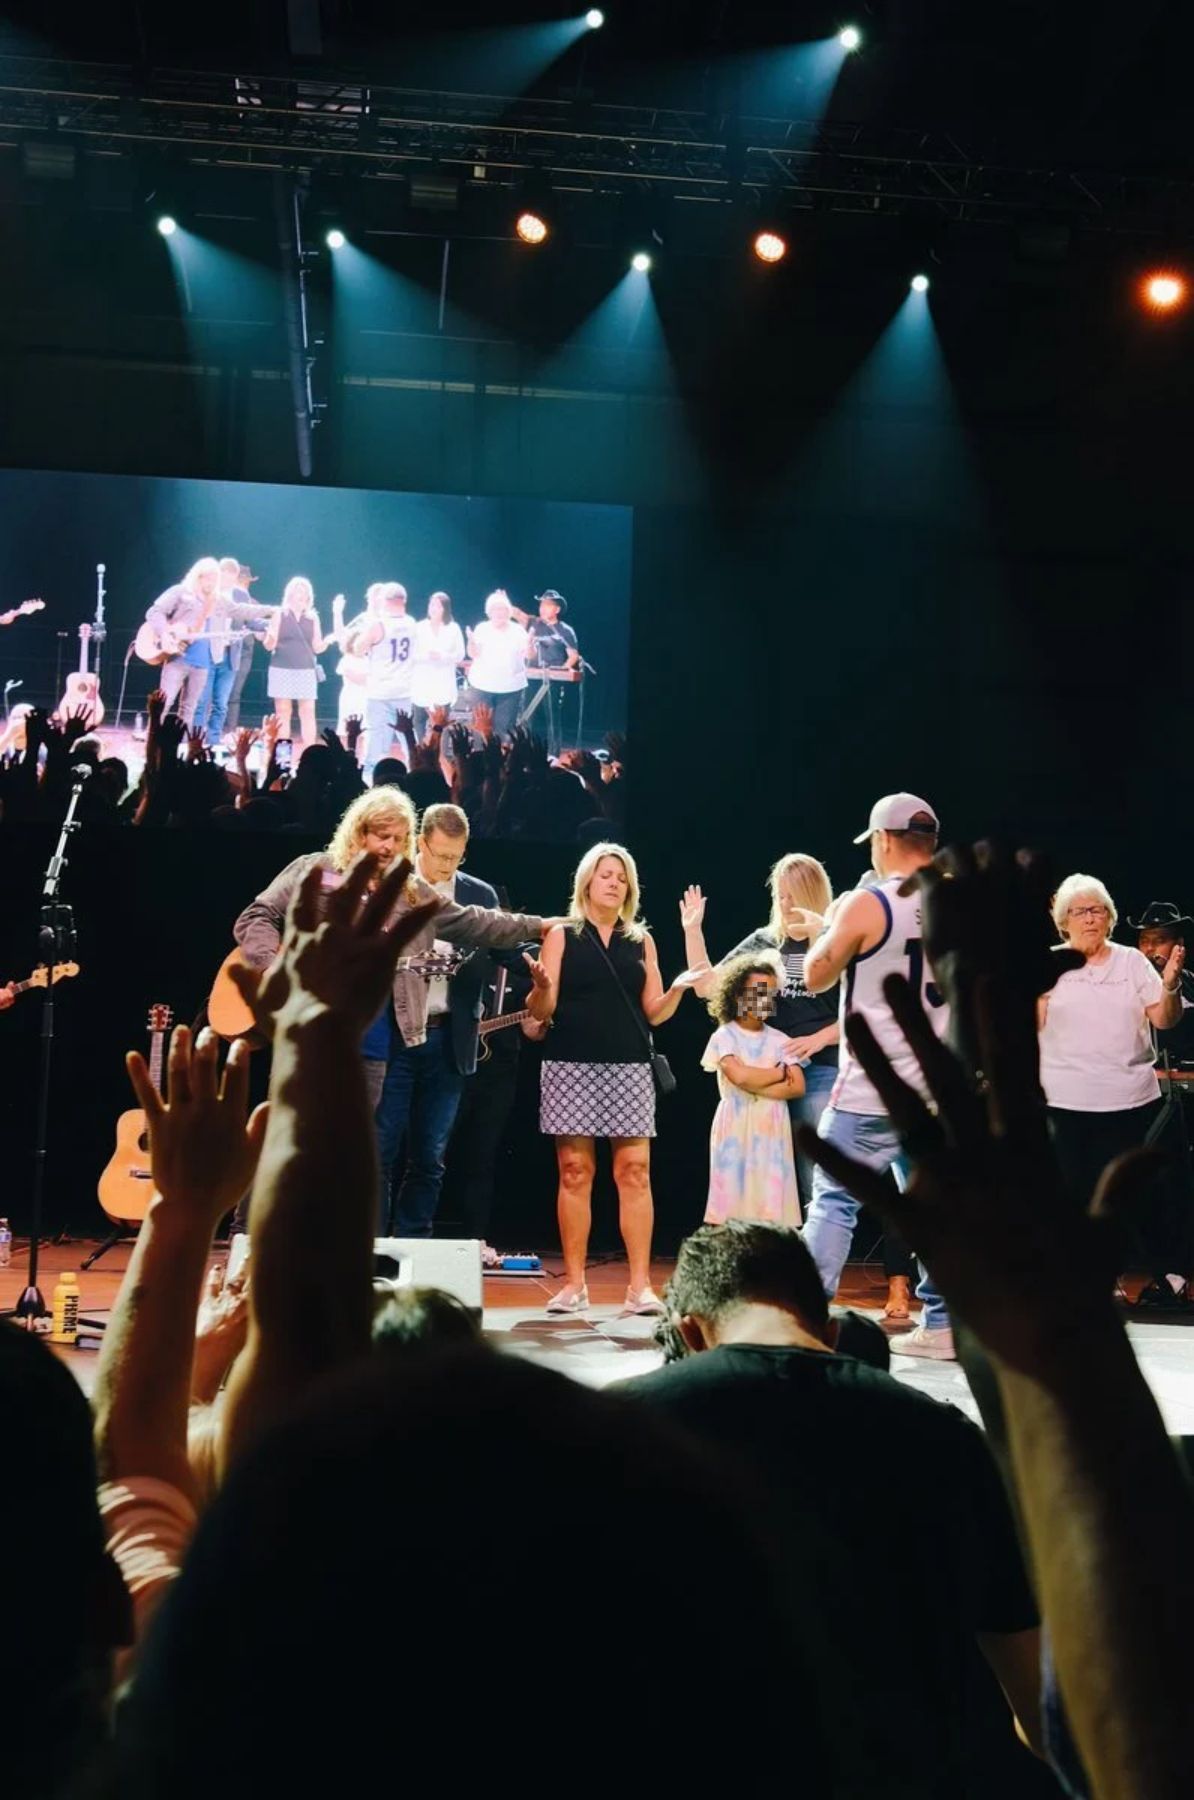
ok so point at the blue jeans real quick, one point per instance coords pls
(870, 1139)
(212, 709)
(818, 1085)
(380, 726)
(416, 1094)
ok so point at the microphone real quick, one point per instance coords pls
(101, 568)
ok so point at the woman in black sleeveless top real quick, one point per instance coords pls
(602, 980)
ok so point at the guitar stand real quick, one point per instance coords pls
(122, 1235)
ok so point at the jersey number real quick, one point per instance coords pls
(914, 950)
(399, 649)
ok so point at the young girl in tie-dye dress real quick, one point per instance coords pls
(752, 1168)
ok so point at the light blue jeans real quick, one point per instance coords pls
(818, 1085)
(870, 1139)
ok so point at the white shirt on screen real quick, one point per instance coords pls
(1096, 1046)
(500, 665)
(437, 652)
(390, 659)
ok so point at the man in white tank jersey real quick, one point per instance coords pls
(386, 638)
(875, 933)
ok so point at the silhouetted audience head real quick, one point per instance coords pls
(65, 1607)
(722, 1268)
(410, 1318)
(340, 1590)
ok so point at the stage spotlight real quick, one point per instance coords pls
(850, 38)
(335, 239)
(640, 262)
(920, 284)
(167, 226)
(770, 246)
(531, 228)
(1163, 291)
(594, 18)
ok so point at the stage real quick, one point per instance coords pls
(606, 1345)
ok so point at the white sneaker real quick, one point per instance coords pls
(569, 1300)
(643, 1300)
(938, 1344)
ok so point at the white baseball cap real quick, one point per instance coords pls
(900, 812)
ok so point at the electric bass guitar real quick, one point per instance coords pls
(26, 606)
(126, 1185)
(230, 1018)
(82, 688)
(41, 977)
(498, 1024)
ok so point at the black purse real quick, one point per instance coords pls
(661, 1068)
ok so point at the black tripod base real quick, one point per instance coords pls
(30, 1305)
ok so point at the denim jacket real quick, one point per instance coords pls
(258, 931)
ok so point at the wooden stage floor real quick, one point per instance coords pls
(607, 1345)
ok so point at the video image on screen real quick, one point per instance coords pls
(453, 644)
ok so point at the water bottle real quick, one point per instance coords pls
(64, 1328)
(5, 1244)
(139, 727)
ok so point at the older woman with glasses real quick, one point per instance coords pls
(1096, 1047)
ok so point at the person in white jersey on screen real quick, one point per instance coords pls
(386, 639)
(874, 933)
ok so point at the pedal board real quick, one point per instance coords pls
(521, 1264)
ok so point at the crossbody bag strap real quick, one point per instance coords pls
(643, 1028)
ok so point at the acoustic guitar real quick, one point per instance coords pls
(82, 688)
(126, 1185)
(41, 977)
(26, 606)
(230, 1018)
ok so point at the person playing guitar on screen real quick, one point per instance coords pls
(179, 616)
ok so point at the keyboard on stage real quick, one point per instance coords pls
(555, 674)
(1183, 1077)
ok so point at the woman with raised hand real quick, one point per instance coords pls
(597, 993)
(294, 640)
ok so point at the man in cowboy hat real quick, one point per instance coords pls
(1166, 1233)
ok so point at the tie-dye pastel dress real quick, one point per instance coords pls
(752, 1170)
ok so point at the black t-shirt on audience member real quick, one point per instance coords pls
(902, 1548)
(797, 1012)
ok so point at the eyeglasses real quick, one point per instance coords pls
(1087, 912)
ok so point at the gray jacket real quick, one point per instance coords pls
(258, 931)
(180, 610)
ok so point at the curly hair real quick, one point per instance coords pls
(731, 978)
(373, 806)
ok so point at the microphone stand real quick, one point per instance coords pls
(56, 943)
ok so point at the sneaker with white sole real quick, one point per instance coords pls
(643, 1300)
(924, 1341)
(569, 1300)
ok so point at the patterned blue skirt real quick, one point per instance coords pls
(599, 1100)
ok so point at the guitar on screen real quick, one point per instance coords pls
(16, 612)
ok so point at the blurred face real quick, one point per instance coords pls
(499, 613)
(435, 609)
(1156, 943)
(207, 584)
(395, 601)
(549, 610)
(609, 887)
(440, 855)
(1087, 923)
(756, 997)
(298, 597)
(387, 837)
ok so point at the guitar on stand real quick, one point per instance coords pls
(42, 977)
(126, 1185)
(16, 612)
(83, 687)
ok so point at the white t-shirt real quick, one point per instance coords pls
(390, 659)
(437, 651)
(1096, 1046)
(437, 988)
(148, 1525)
(500, 665)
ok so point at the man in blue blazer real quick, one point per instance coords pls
(423, 1086)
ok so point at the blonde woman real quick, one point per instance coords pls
(597, 994)
(801, 895)
(412, 1083)
(1096, 1047)
(293, 641)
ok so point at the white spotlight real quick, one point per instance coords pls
(640, 262)
(594, 18)
(167, 226)
(334, 239)
(850, 38)
(920, 284)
